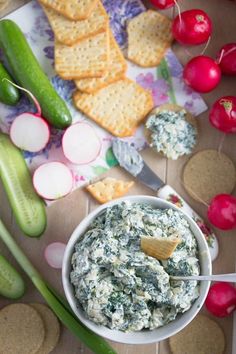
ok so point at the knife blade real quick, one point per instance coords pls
(130, 159)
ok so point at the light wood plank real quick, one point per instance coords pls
(63, 217)
(11, 6)
(135, 349)
(138, 188)
(224, 30)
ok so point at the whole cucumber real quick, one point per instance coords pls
(29, 74)
(8, 93)
(27, 207)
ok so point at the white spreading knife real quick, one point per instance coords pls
(129, 158)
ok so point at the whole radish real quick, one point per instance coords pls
(163, 4)
(222, 211)
(202, 74)
(223, 114)
(221, 299)
(227, 59)
(192, 27)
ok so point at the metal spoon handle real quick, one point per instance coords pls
(231, 278)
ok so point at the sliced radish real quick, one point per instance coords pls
(30, 132)
(53, 180)
(80, 143)
(54, 254)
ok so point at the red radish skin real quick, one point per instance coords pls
(30, 132)
(202, 74)
(163, 4)
(221, 299)
(53, 180)
(54, 254)
(80, 143)
(222, 211)
(192, 27)
(227, 59)
(223, 114)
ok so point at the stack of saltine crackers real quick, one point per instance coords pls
(87, 52)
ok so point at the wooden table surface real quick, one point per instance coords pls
(64, 215)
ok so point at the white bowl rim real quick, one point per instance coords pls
(144, 336)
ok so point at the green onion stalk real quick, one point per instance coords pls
(57, 303)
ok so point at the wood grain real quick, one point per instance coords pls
(64, 215)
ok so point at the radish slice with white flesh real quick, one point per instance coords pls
(53, 180)
(80, 143)
(54, 254)
(29, 132)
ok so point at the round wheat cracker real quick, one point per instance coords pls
(52, 328)
(21, 329)
(208, 173)
(202, 335)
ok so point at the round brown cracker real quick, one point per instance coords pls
(52, 328)
(208, 173)
(202, 335)
(21, 329)
(173, 108)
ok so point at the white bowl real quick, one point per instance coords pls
(144, 336)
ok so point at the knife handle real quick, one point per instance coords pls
(169, 194)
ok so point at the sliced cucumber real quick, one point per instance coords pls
(28, 208)
(12, 285)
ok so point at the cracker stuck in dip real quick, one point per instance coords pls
(121, 287)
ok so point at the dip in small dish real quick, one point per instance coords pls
(171, 131)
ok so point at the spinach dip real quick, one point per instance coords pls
(118, 285)
(171, 134)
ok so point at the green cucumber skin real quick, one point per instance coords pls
(28, 208)
(12, 285)
(8, 93)
(29, 74)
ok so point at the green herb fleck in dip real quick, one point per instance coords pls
(171, 134)
(118, 285)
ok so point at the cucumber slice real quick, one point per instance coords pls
(28, 208)
(12, 285)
